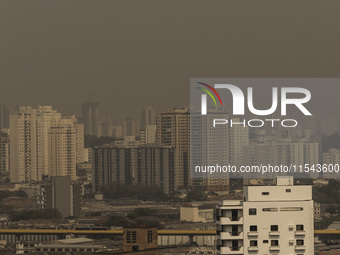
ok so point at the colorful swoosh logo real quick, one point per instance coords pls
(209, 93)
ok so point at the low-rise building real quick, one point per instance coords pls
(140, 238)
(196, 214)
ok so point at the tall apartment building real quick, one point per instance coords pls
(148, 135)
(90, 118)
(209, 147)
(60, 194)
(105, 127)
(276, 219)
(173, 130)
(31, 147)
(29, 142)
(4, 154)
(238, 138)
(153, 165)
(4, 116)
(282, 153)
(148, 117)
(127, 142)
(66, 142)
(131, 126)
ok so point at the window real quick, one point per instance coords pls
(252, 211)
(300, 242)
(131, 236)
(274, 242)
(150, 236)
(253, 228)
(274, 228)
(288, 190)
(253, 243)
(299, 228)
(265, 241)
(265, 193)
(269, 209)
(290, 209)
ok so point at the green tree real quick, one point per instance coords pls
(196, 195)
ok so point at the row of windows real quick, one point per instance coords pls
(299, 227)
(254, 243)
(253, 211)
(267, 193)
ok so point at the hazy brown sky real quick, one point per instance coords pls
(127, 54)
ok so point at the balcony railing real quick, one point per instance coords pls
(235, 248)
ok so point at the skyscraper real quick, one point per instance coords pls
(4, 154)
(90, 118)
(29, 143)
(148, 117)
(4, 116)
(131, 126)
(39, 137)
(66, 147)
(173, 130)
(209, 146)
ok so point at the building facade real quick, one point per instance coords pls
(173, 130)
(60, 194)
(29, 143)
(43, 144)
(271, 219)
(152, 166)
(148, 117)
(4, 154)
(90, 118)
(4, 117)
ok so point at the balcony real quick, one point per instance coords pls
(274, 248)
(253, 233)
(274, 233)
(300, 233)
(230, 235)
(231, 220)
(253, 248)
(232, 250)
(300, 248)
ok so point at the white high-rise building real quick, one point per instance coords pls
(271, 219)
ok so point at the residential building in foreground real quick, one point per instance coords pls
(272, 219)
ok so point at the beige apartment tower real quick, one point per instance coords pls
(173, 130)
(39, 137)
